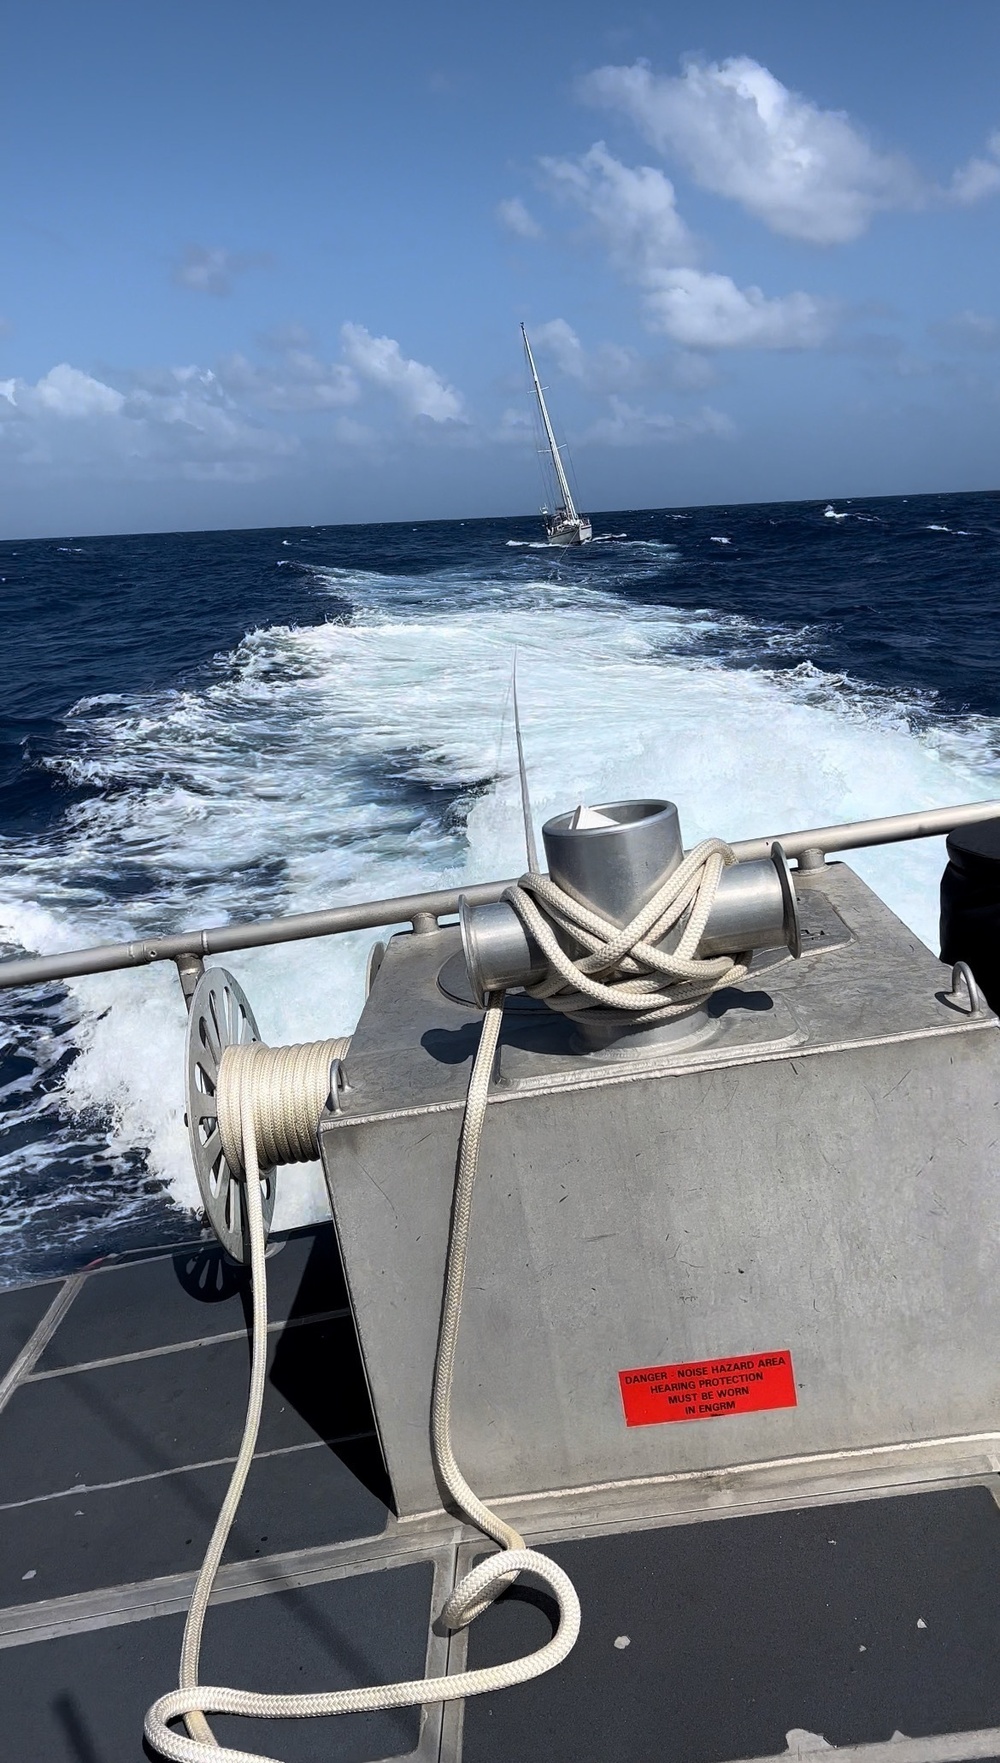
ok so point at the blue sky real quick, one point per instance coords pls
(265, 264)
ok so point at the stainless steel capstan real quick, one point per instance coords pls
(614, 858)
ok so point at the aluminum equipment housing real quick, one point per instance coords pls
(820, 1179)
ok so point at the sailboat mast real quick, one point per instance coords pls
(561, 478)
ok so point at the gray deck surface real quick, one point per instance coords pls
(853, 1620)
(82, 1698)
(742, 1630)
(116, 1449)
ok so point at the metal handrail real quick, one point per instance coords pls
(423, 910)
(854, 835)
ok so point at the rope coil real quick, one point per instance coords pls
(625, 967)
(285, 1089)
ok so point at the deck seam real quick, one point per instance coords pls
(211, 1340)
(101, 1487)
(146, 1600)
(40, 1337)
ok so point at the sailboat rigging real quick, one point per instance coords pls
(566, 526)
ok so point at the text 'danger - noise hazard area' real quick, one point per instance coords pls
(707, 1391)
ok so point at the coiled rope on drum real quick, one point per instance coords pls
(286, 1090)
(271, 1118)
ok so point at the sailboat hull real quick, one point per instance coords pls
(569, 532)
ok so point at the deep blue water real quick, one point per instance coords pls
(205, 725)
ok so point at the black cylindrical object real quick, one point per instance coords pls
(970, 904)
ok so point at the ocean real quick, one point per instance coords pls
(213, 726)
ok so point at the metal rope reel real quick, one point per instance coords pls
(220, 1017)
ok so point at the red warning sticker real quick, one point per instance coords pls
(708, 1389)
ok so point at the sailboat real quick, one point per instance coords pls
(566, 526)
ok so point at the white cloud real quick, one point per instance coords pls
(176, 422)
(513, 214)
(633, 207)
(231, 423)
(610, 367)
(629, 425)
(635, 215)
(298, 380)
(561, 341)
(418, 388)
(806, 172)
(613, 367)
(64, 391)
(210, 269)
(708, 311)
(206, 425)
(979, 177)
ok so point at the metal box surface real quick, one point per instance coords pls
(820, 1179)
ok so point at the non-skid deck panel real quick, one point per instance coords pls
(300, 1499)
(21, 1310)
(852, 1621)
(82, 1698)
(190, 1295)
(144, 1416)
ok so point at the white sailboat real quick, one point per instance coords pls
(566, 526)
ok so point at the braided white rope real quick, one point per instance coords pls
(624, 968)
(286, 1089)
(473, 1593)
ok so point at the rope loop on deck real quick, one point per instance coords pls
(625, 967)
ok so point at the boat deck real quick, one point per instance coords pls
(725, 1630)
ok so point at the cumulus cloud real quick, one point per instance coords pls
(297, 380)
(559, 339)
(633, 210)
(708, 311)
(609, 367)
(210, 269)
(419, 389)
(629, 425)
(234, 421)
(806, 172)
(513, 214)
(633, 207)
(64, 391)
(613, 367)
(177, 422)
